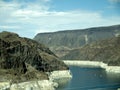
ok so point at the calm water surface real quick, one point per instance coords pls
(91, 79)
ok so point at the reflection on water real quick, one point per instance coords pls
(90, 79)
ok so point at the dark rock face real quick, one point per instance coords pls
(17, 65)
(16, 52)
(107, 51)
(72, 39)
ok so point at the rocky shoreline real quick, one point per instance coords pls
(24, 63)
(96, 64)
(50, 84)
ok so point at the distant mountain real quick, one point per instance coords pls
(107, 51)
(23, 59)
(62, 42)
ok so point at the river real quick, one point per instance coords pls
(91, 79)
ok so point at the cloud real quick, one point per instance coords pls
(9, 27)
(115, 1)
(30, 18)
(115, 4)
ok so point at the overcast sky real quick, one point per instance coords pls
(29, 17)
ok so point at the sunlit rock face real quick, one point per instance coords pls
(62, 42)
(107, 51)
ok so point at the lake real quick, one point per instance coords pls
(91, 79)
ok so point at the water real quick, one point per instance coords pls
(91, 79)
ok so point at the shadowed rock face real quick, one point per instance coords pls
(107, 51)
(18, 53)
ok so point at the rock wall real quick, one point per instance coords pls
(107, 51)
(23, 59)
(58, 41)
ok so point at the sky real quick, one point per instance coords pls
(29, 17)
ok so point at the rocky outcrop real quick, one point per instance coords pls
(25, 58)
(62, 42)
(107, 51)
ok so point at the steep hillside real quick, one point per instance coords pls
(71, 39)
(23, 59)
(107, 51)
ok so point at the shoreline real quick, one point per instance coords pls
(31, 85)
(56, 76)
(50, 84)
(94, 64)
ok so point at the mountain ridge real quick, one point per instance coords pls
(23, 59)
(74, 30)
(72, 39)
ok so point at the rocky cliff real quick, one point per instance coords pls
(62, 42)
(24, 59)
(107, 51)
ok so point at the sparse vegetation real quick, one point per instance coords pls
(22, 59)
